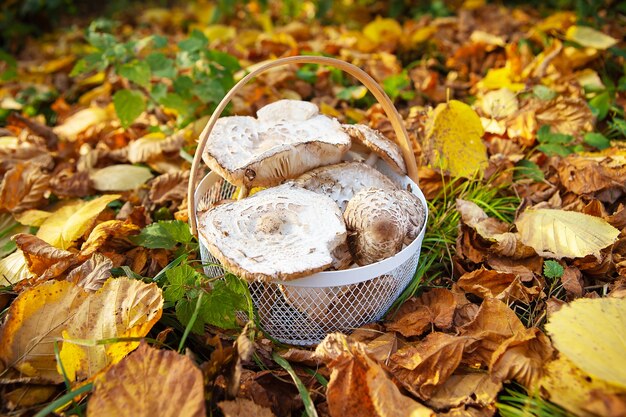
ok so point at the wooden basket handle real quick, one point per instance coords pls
(356, 72)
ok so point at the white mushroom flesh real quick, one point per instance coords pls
(379, 222)
(342, 181)
(289, 137)
(280, 233)
(377, 143)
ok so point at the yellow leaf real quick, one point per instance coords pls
(383, 30)
(60, 310)
(589, 37)
(175, 388)
(568, 386)
(499, 103)
(589, 332)
(564, 234)
(81, 220)
(103, 90)
(422, 34)
(497, 78)
(53, 65)
(13, 269)
(120, 177)
(51, 228)
(81, 121)
(32, 217)
(590, 79)
(453, 140)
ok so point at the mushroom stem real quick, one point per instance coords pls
(371, 159)
(244, 190)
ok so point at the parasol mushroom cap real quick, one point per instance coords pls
(380, 222)
(281, 233)
(379, 144)
(288, 138)
(342, 181)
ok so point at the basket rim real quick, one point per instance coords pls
(346, 276)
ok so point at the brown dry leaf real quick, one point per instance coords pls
(245, 349)
(359, 386)
(171, 187)
(572, 280)
(23, 187)
(453, 140)
(110, 229)
(564, 234)
(493, 284)
(241, 407)
(81, 121)
(423, 366)
(577, 395)
(434, 307)
(521, 358)
(568, 115)
(149, 382)
(43, 258)
(28, 395)
(601, 174)
(466, 389)
(154, 144)
(59, 311)
(93, 273)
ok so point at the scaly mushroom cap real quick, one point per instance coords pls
(379, 223)
(289, 137)
(280, 233)
(379, 144)
(342, 181)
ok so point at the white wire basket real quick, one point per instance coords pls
(303, 311)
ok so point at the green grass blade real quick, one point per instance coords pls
(64, 399)
(309, 407)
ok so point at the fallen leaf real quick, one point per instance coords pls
(120, 177)
(493, 284)
(241, 407)
(32, 217)
(453, 140)
(171, 187)
(28, 395)
(421, 367)
(71, 221)
(93, 273)
(571, 116)
(359, 386)
(80, 121)
(41, 256)
(60, 310)
(149, 382)
(601, 174)
(111, 229)
(499, 103)
(467, 389)
(598, 350)
(155, 144)
(433, 308)
(23, 187)
(564, 234)
(589, 37)
(578, 393)
(13, 269)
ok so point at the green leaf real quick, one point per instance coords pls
(395, 86)
(545, 136)
(600, 105)
(175, 102)
(597, 140)
(136, 71)
(553, 149)
(225, 299)
(552, 269)
(209, 91)
(128, 106)
(195, 42)
(163, 235)
(79, 68)
(184, 311)
(159, 41)
(543, 93)
(183, 86)
(228, 62)
(160, 65)
(10, 64)
(529, 169)
(179, 280)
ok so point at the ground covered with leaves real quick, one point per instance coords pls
(516, 116)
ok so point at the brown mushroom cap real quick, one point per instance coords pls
(379, 144)
(380, 222)
(342, 181)
(280, 233)
(289, 137)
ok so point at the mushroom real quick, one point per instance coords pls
(287, 138)
(342, 181)
(380, 222)
(279, 233)
(378, 145)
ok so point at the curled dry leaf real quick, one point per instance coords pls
(453, 140)
(471, 389)
(120, 177)
(432, 308)
(41, 257)
(154, 144)
(597, 350)
(147, 383)
(241, 407)
(170, 187)
(60, 310)
(601, 174)
(501, 285)
(93, 273)
(13, 269)
(568, 115)
(564, 234)
(359, 386)
(106, 231)
(79, 122)
(23, 187)
(423, 366)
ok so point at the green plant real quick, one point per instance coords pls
(516, 402)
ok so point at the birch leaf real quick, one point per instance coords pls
(60, 310)
(80, 121)
(453, 140)
(596, 348)
(589, 37)
(175, 388)
(564, 234)
(120, 177)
